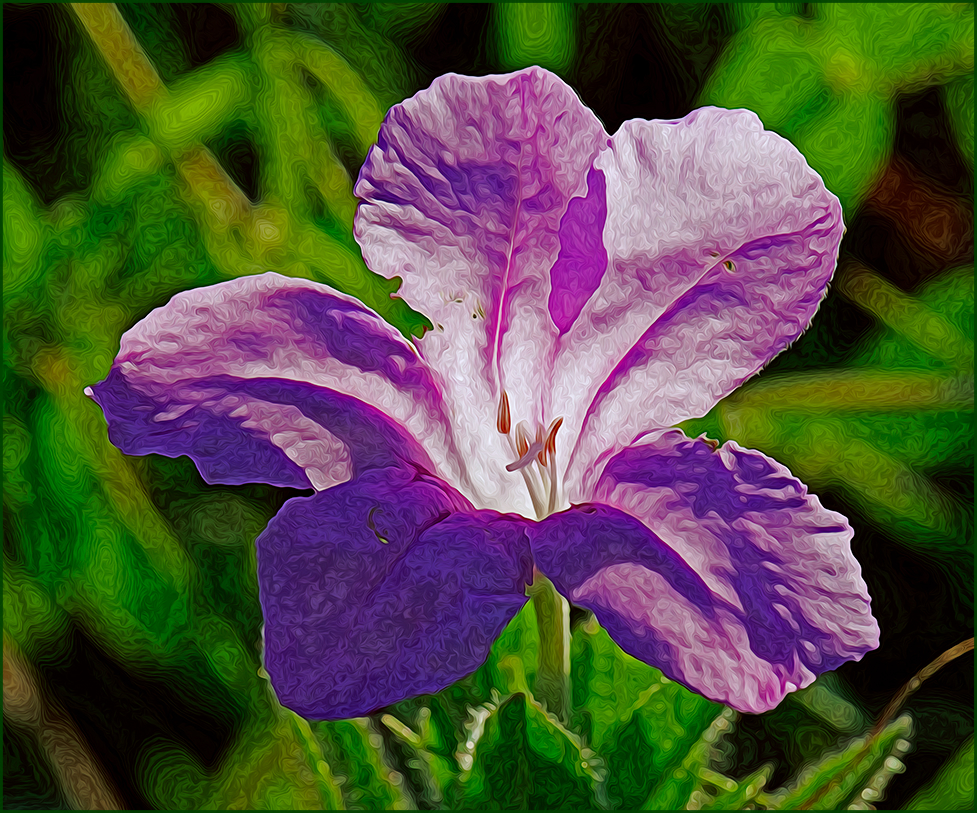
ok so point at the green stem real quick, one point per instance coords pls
(552, 688)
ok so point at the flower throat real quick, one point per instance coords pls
(536, 458)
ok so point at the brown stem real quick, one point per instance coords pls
(217, 196)
(927, 671)
(25, 706)
(895, 704)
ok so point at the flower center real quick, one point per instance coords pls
(536, 458)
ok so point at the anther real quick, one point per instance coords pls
(541, 445)
(522, 440)
(504, 421)
(550, 446)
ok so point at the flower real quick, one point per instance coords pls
(586, 292)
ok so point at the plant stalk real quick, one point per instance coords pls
(552, 688)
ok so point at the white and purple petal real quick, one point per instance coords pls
(464, 196)
(720, 241)
(715, 566)
(382, 588)
(277, 380)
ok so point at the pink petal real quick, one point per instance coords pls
(721, 240)
(277, 380)
(789, 596)
(464, 195)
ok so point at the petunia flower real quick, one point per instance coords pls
(586, 293)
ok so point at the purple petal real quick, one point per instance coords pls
(277, 380)
(382, 588)
(715, 566)
(464, 196)
(721, 240)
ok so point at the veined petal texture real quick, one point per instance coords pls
(720, 242)
(715, 566)
(464, 194)
(277, 380)
(621, 283)
(382, 588)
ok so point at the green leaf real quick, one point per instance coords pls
(953, 787)
(848, 144)
(959, 96)
(359, 760)
(436, 774)
(639, 722)
(694, 772)
(825, 699)
(520, 758)
(910, 319)
(200, 104)
(737, 795)
(128, 160)
(276, 764)
(535, 34)
(771, 69)
(835, 780)
(903, 44)
(342, 82)
(442, 721)
(31, 616)
(25, 233)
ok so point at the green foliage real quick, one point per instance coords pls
(827, 83)
(517, 757)
(535, 34)
(901, 406)
(638, 721)
(156, 569)
(861, 768)
(953, 788)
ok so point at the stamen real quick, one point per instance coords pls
(551, 436)
(522, 441)
(504, 422)
(541, 480)
(550, 449)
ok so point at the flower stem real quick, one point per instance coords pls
(552, 688)
(27, 705)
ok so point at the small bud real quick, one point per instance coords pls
(504, 422)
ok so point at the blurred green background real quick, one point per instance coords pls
(153, 148)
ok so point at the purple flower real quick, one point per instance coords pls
(586, 292)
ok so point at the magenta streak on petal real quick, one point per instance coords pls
(270, 327)
(779, 562)
(498, 321)
(463, 198)
(721, 331)
(582, 260)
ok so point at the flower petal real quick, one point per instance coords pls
(464, 195)
(717, 567)
(276, 380)
(720, 241)
(382, 588)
